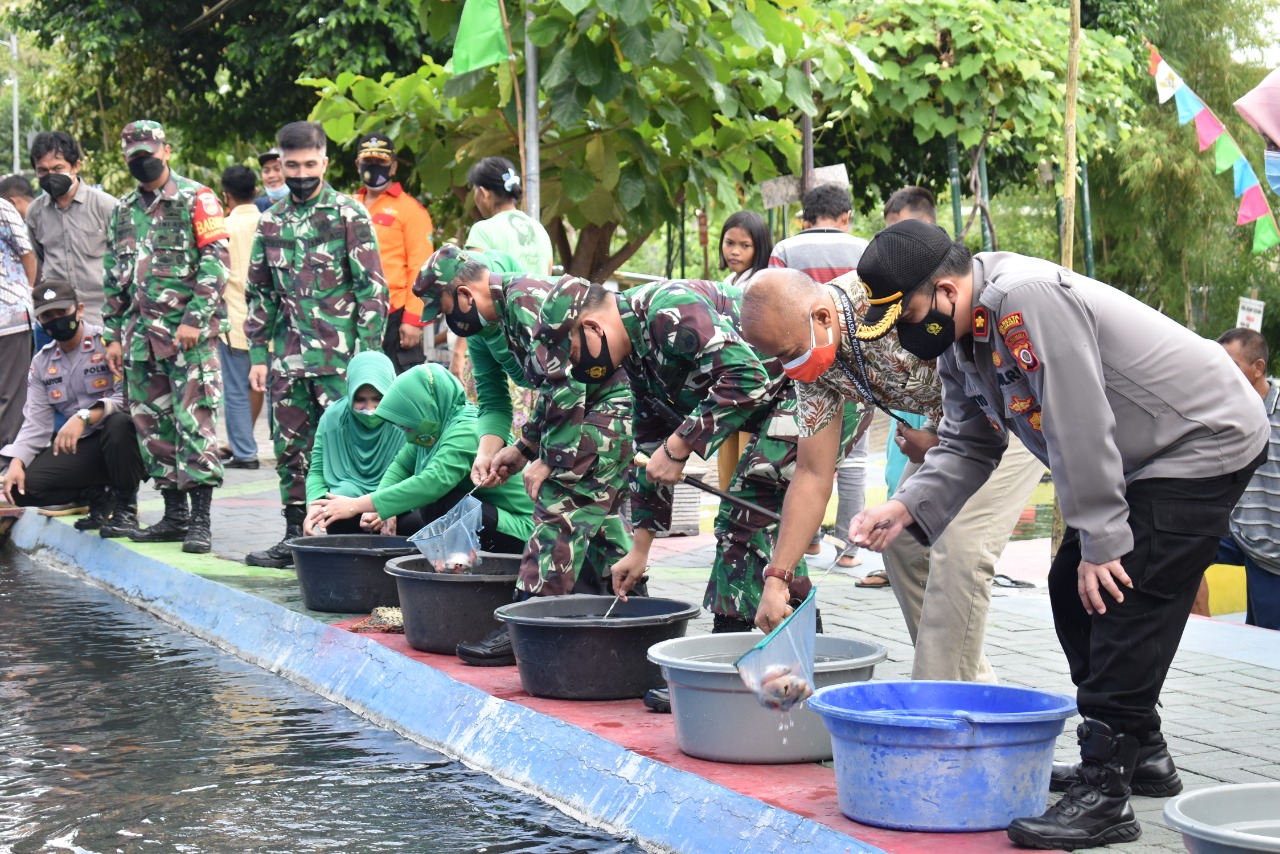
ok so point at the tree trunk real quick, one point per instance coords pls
(592, 259)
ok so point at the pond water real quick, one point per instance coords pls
(120, 733)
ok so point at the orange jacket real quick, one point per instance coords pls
(404, 243)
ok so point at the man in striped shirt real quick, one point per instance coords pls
(1255, 534)
(825, 249)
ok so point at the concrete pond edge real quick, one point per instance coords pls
(591, 779)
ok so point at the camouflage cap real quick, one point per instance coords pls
(560, 312)
(142, 136)
(440, 269)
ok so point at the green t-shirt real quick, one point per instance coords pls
(519, 235)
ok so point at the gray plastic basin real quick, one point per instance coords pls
(718, 718)
(1228, 819)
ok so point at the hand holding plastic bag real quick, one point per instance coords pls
(779, 669)
(452, 542)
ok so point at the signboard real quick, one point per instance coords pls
(777, 192)
(1250, 314)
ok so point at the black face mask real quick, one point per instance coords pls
(930, 337)
(302, 188)
(61, 328)
(464, 324)
(375, 175)
(146, 168)
(592, 370)
(56, 184)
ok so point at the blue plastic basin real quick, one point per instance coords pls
(941, 756)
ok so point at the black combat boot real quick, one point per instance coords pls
(199, 539)
(494, 650)
(724, 624)
(124, 518)
(1095, 810)
(1154, 774)
(100, 505)
(172, 528)
(280, 555)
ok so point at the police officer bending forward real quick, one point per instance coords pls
(97, 447)
(1151, 433)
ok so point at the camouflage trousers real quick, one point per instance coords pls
(745, 538)
(577, 520)
(296, 406)
(174, 405)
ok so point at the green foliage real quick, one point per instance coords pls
(1164, 223)
(644, 105)
(222, 82)
(972, 68)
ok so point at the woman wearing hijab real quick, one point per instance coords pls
(432, 471)
(353, 447)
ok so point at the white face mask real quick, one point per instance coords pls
(364, 411)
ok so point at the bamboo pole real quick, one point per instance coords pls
(1069, 193)
(515, 90)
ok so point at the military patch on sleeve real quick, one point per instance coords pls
(981, 328)
(1019, 344)
(362, 233)
(1009, 321)
(207, 216)
(1035, 420)
(686, 341)
(1021, 405)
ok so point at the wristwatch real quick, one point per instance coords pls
(786, 575)
(83, 415)
(527, 451)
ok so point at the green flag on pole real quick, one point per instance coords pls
(481, 39)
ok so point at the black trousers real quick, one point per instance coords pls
(107, 457)
(1119, 659)
(402, 359)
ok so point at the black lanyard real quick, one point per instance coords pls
(860, 378)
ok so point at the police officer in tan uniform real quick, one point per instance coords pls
(97, 448)
(1151, 433)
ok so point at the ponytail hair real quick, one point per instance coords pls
(497, 175)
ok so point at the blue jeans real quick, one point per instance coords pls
(1262, 587)
(235, 401)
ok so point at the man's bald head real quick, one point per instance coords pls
(777, 308)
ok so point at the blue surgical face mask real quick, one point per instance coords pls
(275, 194)
(1271, 160)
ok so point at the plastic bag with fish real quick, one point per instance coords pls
(779, 669)
(452, 542)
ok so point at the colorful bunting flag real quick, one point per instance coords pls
(1188, 104)
(1265, 234)
(1244, 176)
(1226, 152)
(1208, 128)
(1167, 82)
(1252, 206)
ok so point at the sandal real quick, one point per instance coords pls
(1005, 581)
(874, 578)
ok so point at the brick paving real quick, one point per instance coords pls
(1221, 706)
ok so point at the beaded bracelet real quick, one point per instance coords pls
(672, 456)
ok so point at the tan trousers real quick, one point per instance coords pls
(944, 592)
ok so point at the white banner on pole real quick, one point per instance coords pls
(1250, 314)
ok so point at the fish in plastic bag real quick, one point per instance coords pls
(779, 669)
(452, 542)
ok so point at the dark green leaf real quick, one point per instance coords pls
(577, 183)
(631, 188)
(545, 30)
(574, 6)
(633, 12)
(636, 44)
(798, 91)
(636, 107)
(668, 46)
(588, 67)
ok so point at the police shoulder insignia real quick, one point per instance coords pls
(1020, 346)
(56, 394)
(1009, 321)
(981, 330)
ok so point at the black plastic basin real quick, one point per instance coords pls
(442, 610)
(566, 649)
(342, 573)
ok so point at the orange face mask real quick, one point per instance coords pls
(816, 361)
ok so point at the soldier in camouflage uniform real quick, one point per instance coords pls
(576, 444)
(695, 383)
(316, 294)
(164, 271)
